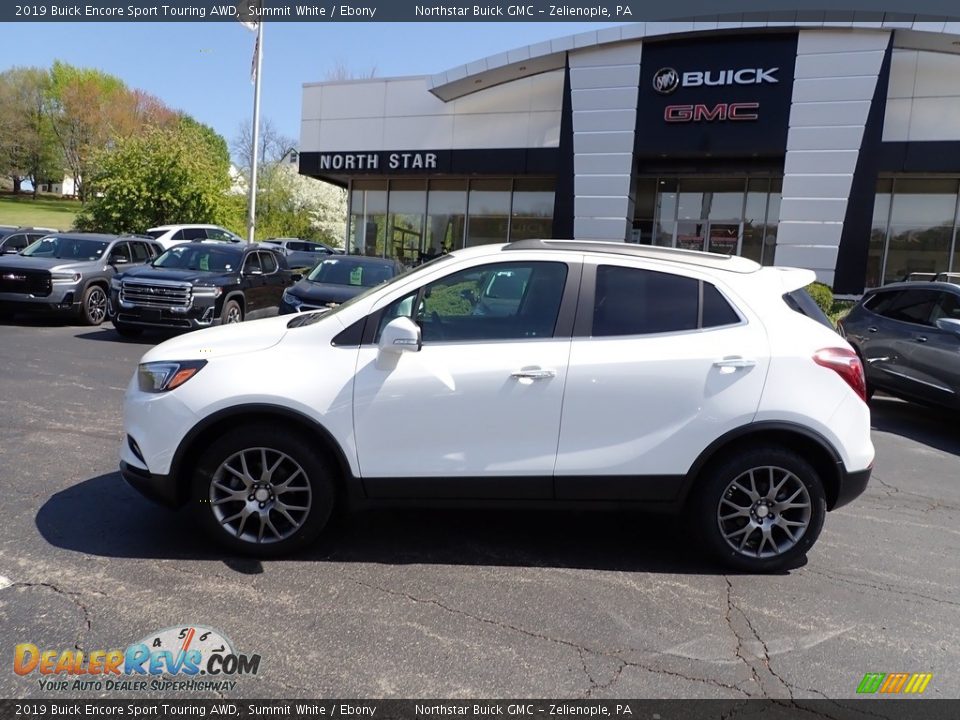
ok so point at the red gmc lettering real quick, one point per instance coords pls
(720, 111)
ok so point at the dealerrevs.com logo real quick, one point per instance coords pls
(191, 657)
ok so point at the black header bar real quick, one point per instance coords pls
(601, 11)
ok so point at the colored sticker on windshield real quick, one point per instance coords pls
(205, 262)
(356, 276)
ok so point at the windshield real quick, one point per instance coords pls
(377, 288)
(347, 271)
(208, 258)
(66, 248)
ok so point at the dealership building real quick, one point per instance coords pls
(828, 144)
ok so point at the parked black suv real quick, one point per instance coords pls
(194, 285)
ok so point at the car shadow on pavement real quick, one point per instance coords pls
(932, 426)
(108, 334)
(103, 516)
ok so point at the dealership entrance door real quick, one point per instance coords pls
(732, 216)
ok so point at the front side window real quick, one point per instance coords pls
(218, 234)
(140, 252)
(348, 271)
(632, 301)
(252, 265)
(268, 262)
(503, 301)
(948, 306)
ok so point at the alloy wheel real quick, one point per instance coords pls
(96, 306)
(260, 495)
(764, 512)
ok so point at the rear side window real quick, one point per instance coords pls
(630, 301)
(194, 234)
(140, 253)
(801, 302)
(911, 306)
(268, 261)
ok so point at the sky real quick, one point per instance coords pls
(204, 68)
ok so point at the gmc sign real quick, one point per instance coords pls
(720, 111)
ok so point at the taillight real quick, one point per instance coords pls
(847, 365)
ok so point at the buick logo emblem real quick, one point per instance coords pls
(666, 80)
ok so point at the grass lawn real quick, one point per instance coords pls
(45, 211)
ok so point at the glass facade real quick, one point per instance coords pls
(914, 228)
(416, 220)
(734, 216)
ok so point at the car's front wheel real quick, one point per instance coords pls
(93, 306)
(231, 313)
(263, 491)
(761, 510)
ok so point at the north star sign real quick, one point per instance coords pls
(379, 161)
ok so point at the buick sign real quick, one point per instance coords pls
(666, 80)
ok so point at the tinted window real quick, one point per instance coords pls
(298, 246)
(948, 306)
(716, 309)
(16, 242)
(140, 253)
(157, 233)
(630, 301)
(268, 262)
(801, 302)
(178, 235)
(194, 233)
(218, 234)
(120, 251)
(912, 306)
(493, 302)
(252, 264)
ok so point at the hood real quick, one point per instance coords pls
(44, 263)
(222, 341)
(322, 293)
(148, 272)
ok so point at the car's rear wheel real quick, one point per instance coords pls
(93, 306)
(231, 313)
(761, 510)
(125, 330)
(263, 491)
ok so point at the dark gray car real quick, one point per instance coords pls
(70, 273)
(908, 337)
(301, 253)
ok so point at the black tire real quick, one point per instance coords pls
(127, 331)
(231, 313)
(93, 306)
(716, 487)
(313, 488)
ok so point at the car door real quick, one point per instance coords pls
(933, 354)
(899, 318)
(661, 365)
(475, 412)
(254, 284)
(276, 279)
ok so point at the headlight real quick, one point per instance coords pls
(65, 278)
(292, 300)
(156, 377)
(203, 291)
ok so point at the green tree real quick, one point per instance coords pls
(163, 175)
(28, 147)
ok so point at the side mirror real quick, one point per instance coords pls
(400, 335)
(950, 325)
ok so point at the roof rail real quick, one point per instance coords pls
(732, 263)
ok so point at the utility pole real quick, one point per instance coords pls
(252, 203)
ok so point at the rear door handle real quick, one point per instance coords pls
(922, 338)
(533, 374)
(731, 364)
(871, 329)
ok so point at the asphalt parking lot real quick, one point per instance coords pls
(462, 604)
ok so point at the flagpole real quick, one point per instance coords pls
(252, 204)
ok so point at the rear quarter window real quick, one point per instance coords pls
(801, 302)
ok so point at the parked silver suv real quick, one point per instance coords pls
(69, 272)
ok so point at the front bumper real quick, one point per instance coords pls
(202, 313)
(62, 299)
(160, 488)
(852, 485)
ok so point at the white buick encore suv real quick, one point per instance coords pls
(540, 372)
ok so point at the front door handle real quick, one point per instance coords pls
(872, 329)
(922, 338)
(732, 364)
(533, 374)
